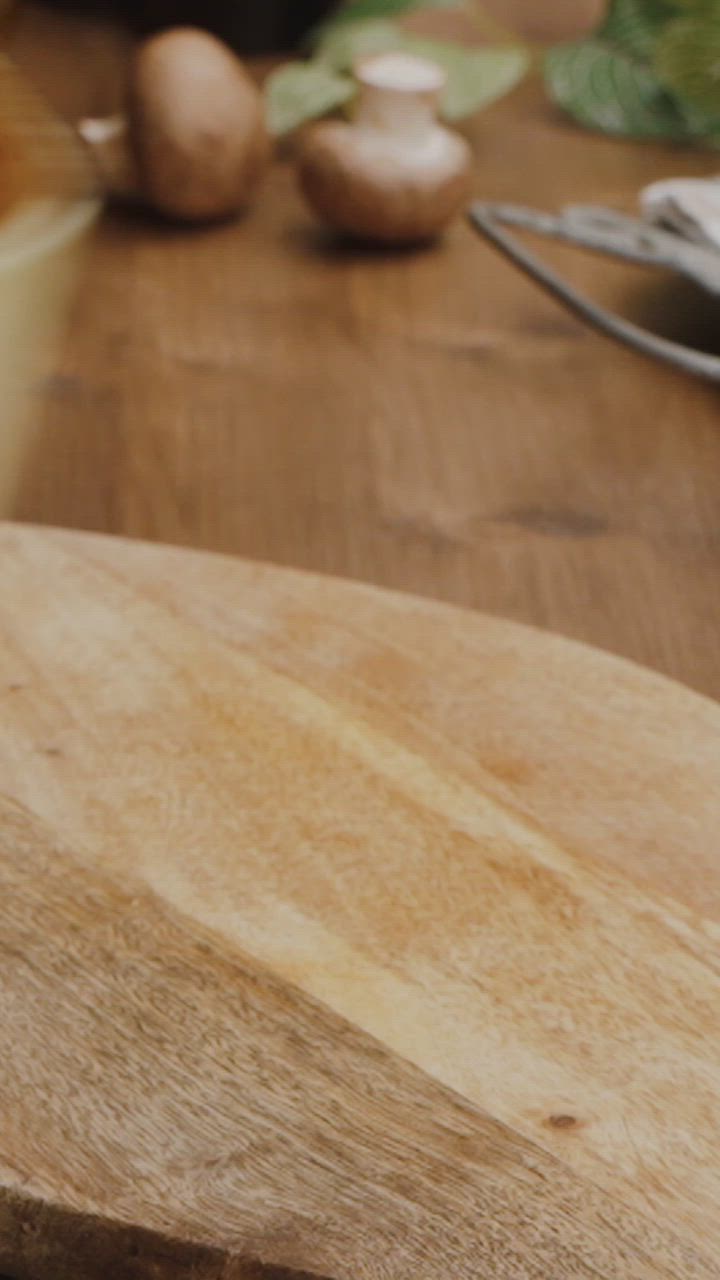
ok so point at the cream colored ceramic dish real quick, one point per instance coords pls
(39, 246)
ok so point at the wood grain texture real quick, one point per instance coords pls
(424, 421)
(446, 875)
(244, 1128)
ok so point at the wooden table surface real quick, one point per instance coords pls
(428, 421)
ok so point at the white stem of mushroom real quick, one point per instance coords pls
(398, 94)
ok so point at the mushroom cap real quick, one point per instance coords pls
(371, 187)
(198, 125)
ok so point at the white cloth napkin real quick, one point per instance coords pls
(689, 206)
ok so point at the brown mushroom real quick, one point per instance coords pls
(194, 142)
(393, 174)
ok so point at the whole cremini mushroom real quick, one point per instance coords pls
(393, 174)
(193, 143)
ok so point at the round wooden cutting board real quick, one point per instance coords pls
(344, 935)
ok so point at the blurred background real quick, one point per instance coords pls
(262, 25)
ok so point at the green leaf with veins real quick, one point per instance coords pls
(633, 26)
(606, 89)
(651, 71)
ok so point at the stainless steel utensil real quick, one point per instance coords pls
(605, 231)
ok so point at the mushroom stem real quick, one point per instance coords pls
(108, 139)
(398, 92)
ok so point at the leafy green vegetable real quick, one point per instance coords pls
(302, 91)
(633, 26)
(687, 58)
(475, 77)
(605, 89)
(651, 71)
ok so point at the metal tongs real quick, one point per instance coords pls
(604, 231)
